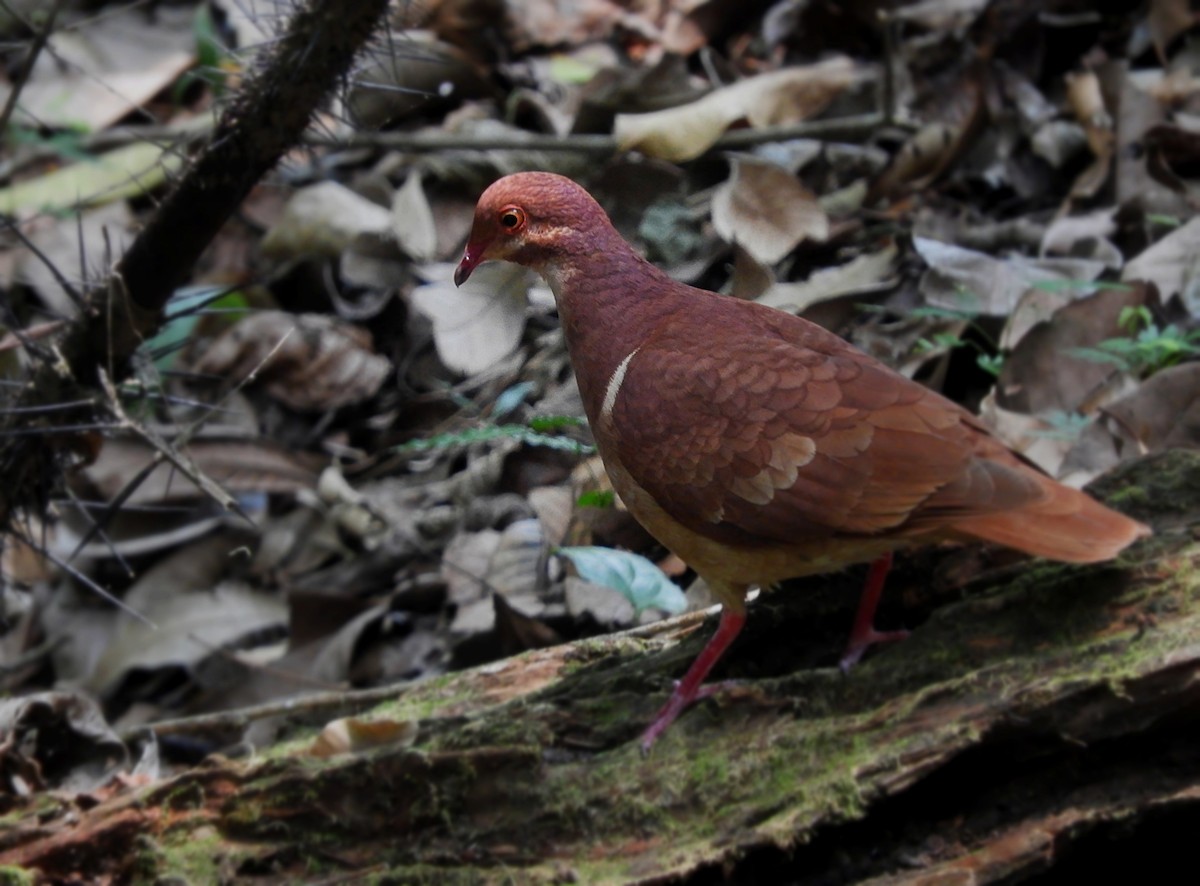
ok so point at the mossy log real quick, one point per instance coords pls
(1042, 717)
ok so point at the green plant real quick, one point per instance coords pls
(988, 358)
(1147, 347)
(533, 434)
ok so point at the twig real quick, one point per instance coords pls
(840, 128)
(262, 122)
(22, 77)
(321, 703)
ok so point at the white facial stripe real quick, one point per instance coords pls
(614, 385)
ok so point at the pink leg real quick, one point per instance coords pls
(732, 619)
(863, 635)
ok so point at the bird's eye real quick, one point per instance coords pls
(512, 218)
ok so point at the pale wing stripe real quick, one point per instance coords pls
(614, 385)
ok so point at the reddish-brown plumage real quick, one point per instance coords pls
(756, 445)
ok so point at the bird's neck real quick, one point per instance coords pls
(609, 300)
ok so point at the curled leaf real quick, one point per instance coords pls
(642, 583)
(775, 99)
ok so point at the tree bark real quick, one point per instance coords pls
(1043, 717)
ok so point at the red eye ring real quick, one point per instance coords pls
(512, 218)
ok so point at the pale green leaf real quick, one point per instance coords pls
(642, 583)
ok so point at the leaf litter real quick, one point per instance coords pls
(407, 458)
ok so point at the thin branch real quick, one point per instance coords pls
(837, 129)
(35, 49)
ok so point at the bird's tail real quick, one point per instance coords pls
(1066, 525)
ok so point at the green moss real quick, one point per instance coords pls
(14, 876)
(194, 855)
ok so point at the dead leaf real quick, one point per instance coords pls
(1165, 21)
(766, 210)
(306, 361)
(81, 248)
(129, 171)
(1030, 435)
(607, 606)
(1163, 413)
(56, 740)
(322, 220)
(238, 465)
(479, 323)
(1084, 236)
(869, 272)
(351, 735)
(779, 98)
(413, 74)
(518, 632)
(1087, 103)
(190, 610)
(1043, 374)
(413, 220)
(1172, 265)
(93, 76)
(961, 279)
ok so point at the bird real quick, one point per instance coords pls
(756, 445)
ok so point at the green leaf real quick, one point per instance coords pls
(943, 313)
(512, 397)
(1085, 285)
(991, 363)
(125, 172)
(182, 312)
(596, 498)
(642, 583)
(555, 422)
(493, 432)
(1098, 355)
(1168, 221)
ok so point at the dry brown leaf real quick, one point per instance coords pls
(1165, 21)
(554, 506)
(1029, 435)
(81, 247)
(518, 564)
(870, 272)
(1043, 374)
(306, 361)
(961, 279)
(543, 23)
(1173, 265)
(93, 76)
(413, 220)
(192, 613)
(415, 74)
(57, 740)
(778, 98)
(766, 210)
(607, 606)
(355, 735)
(1084, 236)
(1087, 103)
(1163, 413)
(322, 220)
(237, 465)
(933, 149)
(478, 324)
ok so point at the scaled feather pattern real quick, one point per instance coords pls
(756, 445)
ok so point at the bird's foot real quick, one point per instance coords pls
(691, 687)
(861, 641)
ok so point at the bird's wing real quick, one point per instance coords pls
(785, 432)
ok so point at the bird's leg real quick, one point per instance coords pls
(863, 635)
(733, 616)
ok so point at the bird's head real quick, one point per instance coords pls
(531, 218)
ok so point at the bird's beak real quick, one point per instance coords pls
(472, 256)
